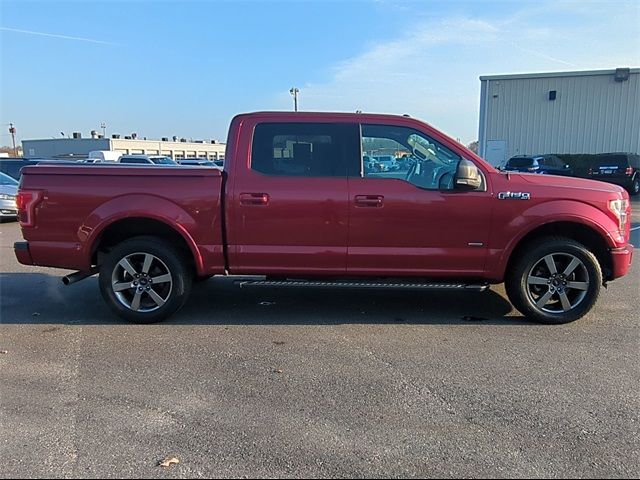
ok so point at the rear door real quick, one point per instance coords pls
(412, 221)
(290, 199)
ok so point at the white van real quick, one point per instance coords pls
(100, 156)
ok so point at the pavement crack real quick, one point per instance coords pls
(420, 390)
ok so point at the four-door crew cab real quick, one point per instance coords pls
(294, 203)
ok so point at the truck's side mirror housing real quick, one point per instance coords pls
(468, 176)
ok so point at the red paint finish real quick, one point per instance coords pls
(313, 226)
(291, 225)
(416, 231)
(79, 202)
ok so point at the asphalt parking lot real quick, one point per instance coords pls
(314, 383)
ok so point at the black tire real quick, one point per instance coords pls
(635, 185)
(155, 300)
(579, 289)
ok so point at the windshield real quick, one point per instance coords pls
(7, 180)
(162, 161)
(520, 162)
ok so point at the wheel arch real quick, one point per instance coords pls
(584, 234)
(121, 229)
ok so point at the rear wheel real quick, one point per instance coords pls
(145, 280)
(557, 281)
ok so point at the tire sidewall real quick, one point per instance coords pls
(635, 185)
(173, 260)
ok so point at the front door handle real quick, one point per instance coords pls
(373, 201)
(255, 199)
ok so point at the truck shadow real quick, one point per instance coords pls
(36, 298)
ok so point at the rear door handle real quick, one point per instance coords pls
(255, 199)
(373, 201)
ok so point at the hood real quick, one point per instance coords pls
(566, 182)
(8, 189)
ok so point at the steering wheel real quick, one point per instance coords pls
(445, 182)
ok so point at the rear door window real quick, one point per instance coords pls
(303, 149)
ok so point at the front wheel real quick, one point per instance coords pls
(555, 281)
(635, 186)
(145, 280)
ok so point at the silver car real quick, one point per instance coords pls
(8, 191)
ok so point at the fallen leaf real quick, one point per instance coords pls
(167, 462)
(279, 343)
(277, 371)
(3, 352)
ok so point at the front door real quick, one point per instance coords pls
(406, 216)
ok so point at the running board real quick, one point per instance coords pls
(479, 287)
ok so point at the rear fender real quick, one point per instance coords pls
(138, 206)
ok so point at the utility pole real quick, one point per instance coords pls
(294, 91)
(12, 131)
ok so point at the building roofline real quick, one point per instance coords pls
(578, 73)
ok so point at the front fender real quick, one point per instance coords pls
(137, 206)
(512, 231)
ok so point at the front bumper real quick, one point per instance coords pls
(21, 249)
(621, 261)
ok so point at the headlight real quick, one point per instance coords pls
(619, 208)
(4, 196)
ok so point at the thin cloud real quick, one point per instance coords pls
(544, 56)
(55, 35)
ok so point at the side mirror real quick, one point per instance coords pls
(468, 176)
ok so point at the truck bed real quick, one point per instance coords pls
(79, 204)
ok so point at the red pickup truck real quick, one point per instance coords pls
(299, 203)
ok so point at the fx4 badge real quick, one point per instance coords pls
(514, 196)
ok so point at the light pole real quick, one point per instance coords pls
(294, 91)
(12, 131)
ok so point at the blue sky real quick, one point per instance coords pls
(185, 68)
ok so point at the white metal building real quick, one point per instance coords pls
(562, 112)
(80, 147)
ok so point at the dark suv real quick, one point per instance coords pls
(549, 164)
(620, 168)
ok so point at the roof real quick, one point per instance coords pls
(583, 73)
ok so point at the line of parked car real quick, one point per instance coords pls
(10, 169)
(621, 169)
(13, 166)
